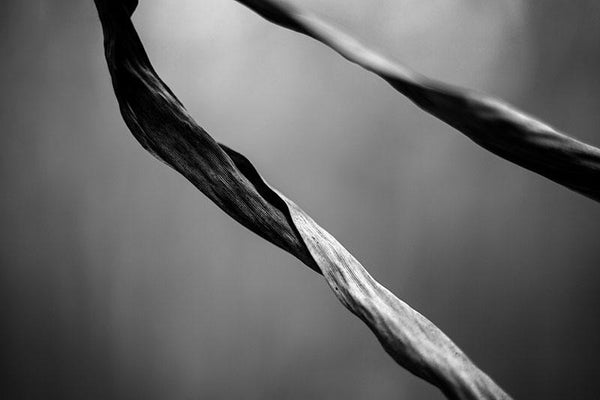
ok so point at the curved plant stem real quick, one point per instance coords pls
(161, 124)
(491, 123)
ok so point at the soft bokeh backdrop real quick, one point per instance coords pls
(119, 280)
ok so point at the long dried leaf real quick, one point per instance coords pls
(491, 123)
(161, 124)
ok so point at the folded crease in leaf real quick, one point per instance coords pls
(268, 193)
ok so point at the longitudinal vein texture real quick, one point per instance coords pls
(491, 123)
(161, 124)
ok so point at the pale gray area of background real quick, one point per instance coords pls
(119, 280)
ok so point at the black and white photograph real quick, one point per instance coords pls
(297, 200)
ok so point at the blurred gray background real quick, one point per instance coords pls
(119, 280)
